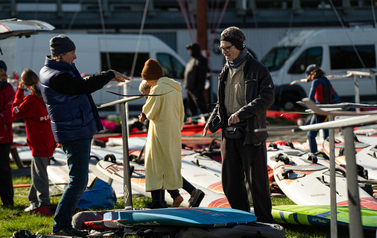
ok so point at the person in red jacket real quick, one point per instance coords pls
(6, 137)
(39, 136)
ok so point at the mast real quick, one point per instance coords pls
(201, 18)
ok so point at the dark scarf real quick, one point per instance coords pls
(238, 61)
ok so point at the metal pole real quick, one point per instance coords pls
(334, 219)
(357, 92)
(127, 192)
(201, 18)
(355, 227)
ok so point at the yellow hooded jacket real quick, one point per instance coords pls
(163, 149)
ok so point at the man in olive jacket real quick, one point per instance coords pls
(246, 91)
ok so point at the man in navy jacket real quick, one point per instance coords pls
(74, 120)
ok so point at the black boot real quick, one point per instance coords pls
(158, 200)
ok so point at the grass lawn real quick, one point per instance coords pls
(16, 219)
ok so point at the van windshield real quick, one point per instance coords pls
(276, 57)
(171, 66)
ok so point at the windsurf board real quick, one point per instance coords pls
(199, 169)
(370, 130)
(135, 143)
(58, 173)
(192, 217)
(307, 182)
(366, 156)
(340, 144)
(115, 171)
(320, 215)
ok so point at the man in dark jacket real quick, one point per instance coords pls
(74, 120)
(195, 78)
(246, 91)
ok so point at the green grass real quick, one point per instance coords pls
(16, 219)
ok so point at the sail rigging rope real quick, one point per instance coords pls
(104, 32)
(184, 13)
(190, 10)
(139, 39)
(74, 16)
(214, 29)
(341, 22)
(374, 16)
(211, 17)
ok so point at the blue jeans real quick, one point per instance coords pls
(78, 155)
(313, 134)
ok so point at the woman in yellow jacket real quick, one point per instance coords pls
(163, 149)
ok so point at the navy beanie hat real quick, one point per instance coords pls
(3, 65)
(61, 44)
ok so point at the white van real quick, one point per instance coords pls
(334, 51)
(95, 53)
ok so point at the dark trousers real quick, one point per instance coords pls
(246, 161)
(195, 101)
(158, 199)
(186, 186)
(6, 184)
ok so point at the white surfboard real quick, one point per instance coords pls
(367, 158)
(366, 154)
(370, 130)
(114, 147)
(203, 171)
(340, 144)
(115, 171)
(18, 27)
(307, 183)
(196, 168)
(58, 173)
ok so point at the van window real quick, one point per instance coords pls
(276, 57)
(171, 66)
(122, 62)
(308, 57)
(345, 57)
